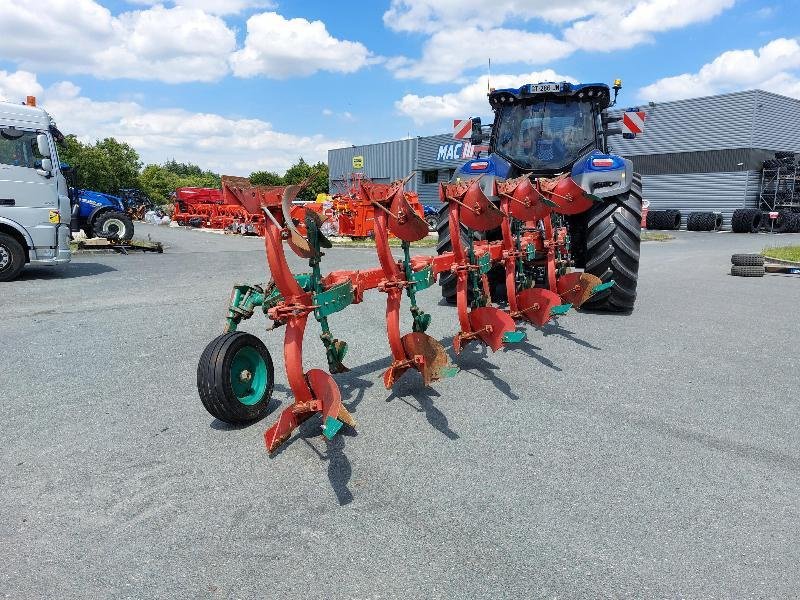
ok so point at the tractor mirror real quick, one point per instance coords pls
(43, 144)
(477, 132)
(46, 168)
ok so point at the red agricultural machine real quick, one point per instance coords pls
(549, 197)
(347, 214)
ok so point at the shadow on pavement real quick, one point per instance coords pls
(69, 271)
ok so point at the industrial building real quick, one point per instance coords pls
(700, 154)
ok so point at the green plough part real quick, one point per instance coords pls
(602, 287)
(530, 252)
(513, 337)
(331, 427)
(485, 264)
(333, 300)
(450, 371)
(592, 197)
(559, 310)
(422, 279)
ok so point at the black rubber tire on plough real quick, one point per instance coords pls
(747, 271)
(747, 260)
(213, 379)
(613, 236)
(746, 220)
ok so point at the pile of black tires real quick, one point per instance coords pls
(752, 220)
(704, 221)
(669, 219)
(747, 265)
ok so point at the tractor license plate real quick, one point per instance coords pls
(542, 88)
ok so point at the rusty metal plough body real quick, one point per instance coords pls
(529, 239)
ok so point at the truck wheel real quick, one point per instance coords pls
(613, 236)
(235, 377)
(114, 224)
(12, 258)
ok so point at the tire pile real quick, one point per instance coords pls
(669, 220)
(747, 265)
(751, 220)
(704, 221)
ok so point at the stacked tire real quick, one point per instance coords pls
(669, 220)
(787, 222)
(746, 220)
(704, 221)
(747, 265)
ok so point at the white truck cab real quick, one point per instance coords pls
(34, 199)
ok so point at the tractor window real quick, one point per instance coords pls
(19, 149)
(546, 135)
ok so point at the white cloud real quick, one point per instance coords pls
(468, 101)
(230, 145)
(81, 36)
(436, 15)
(214, 7)
(624, 25)
(279, 47)
(449, 53)
(463, 36)
(774, 67)
(14, 87)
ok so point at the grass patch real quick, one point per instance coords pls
(791, 253)
(656, 236)
(345, 242)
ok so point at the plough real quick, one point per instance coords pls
(235, 374)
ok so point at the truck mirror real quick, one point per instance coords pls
(47, 168)
(44, 145)
(477, 132)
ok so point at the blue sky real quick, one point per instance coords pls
(239, 85)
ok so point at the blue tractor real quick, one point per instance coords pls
(550, 130)
(98, 214)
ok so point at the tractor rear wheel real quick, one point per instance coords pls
(113, 224)
(613, 236)
(235, 377)
(444, 244)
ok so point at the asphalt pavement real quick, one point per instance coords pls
(648, 455)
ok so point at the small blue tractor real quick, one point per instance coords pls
(98, 214)
(553, 133)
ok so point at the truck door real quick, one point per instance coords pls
(28, 195)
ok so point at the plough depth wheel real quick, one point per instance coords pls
(235, 377)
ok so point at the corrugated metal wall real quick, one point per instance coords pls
(382, 162)
(716, 192)
(697, 124)
(776, 124)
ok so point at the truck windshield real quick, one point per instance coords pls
(19, 149)
(546, 135)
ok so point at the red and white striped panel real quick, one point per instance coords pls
(462, 129)
(633, 122)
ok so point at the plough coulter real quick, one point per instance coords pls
(235, 374)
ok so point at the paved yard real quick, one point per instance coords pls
(650, 455)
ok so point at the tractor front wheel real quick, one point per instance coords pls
(613, 235)
(235, 377)
(113, 225)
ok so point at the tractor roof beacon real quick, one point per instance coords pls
(555, 130)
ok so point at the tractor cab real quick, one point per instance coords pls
(544, 128)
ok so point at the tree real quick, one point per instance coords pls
(301, 171)
(106, 166)
(265, 178)
(160, 181)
